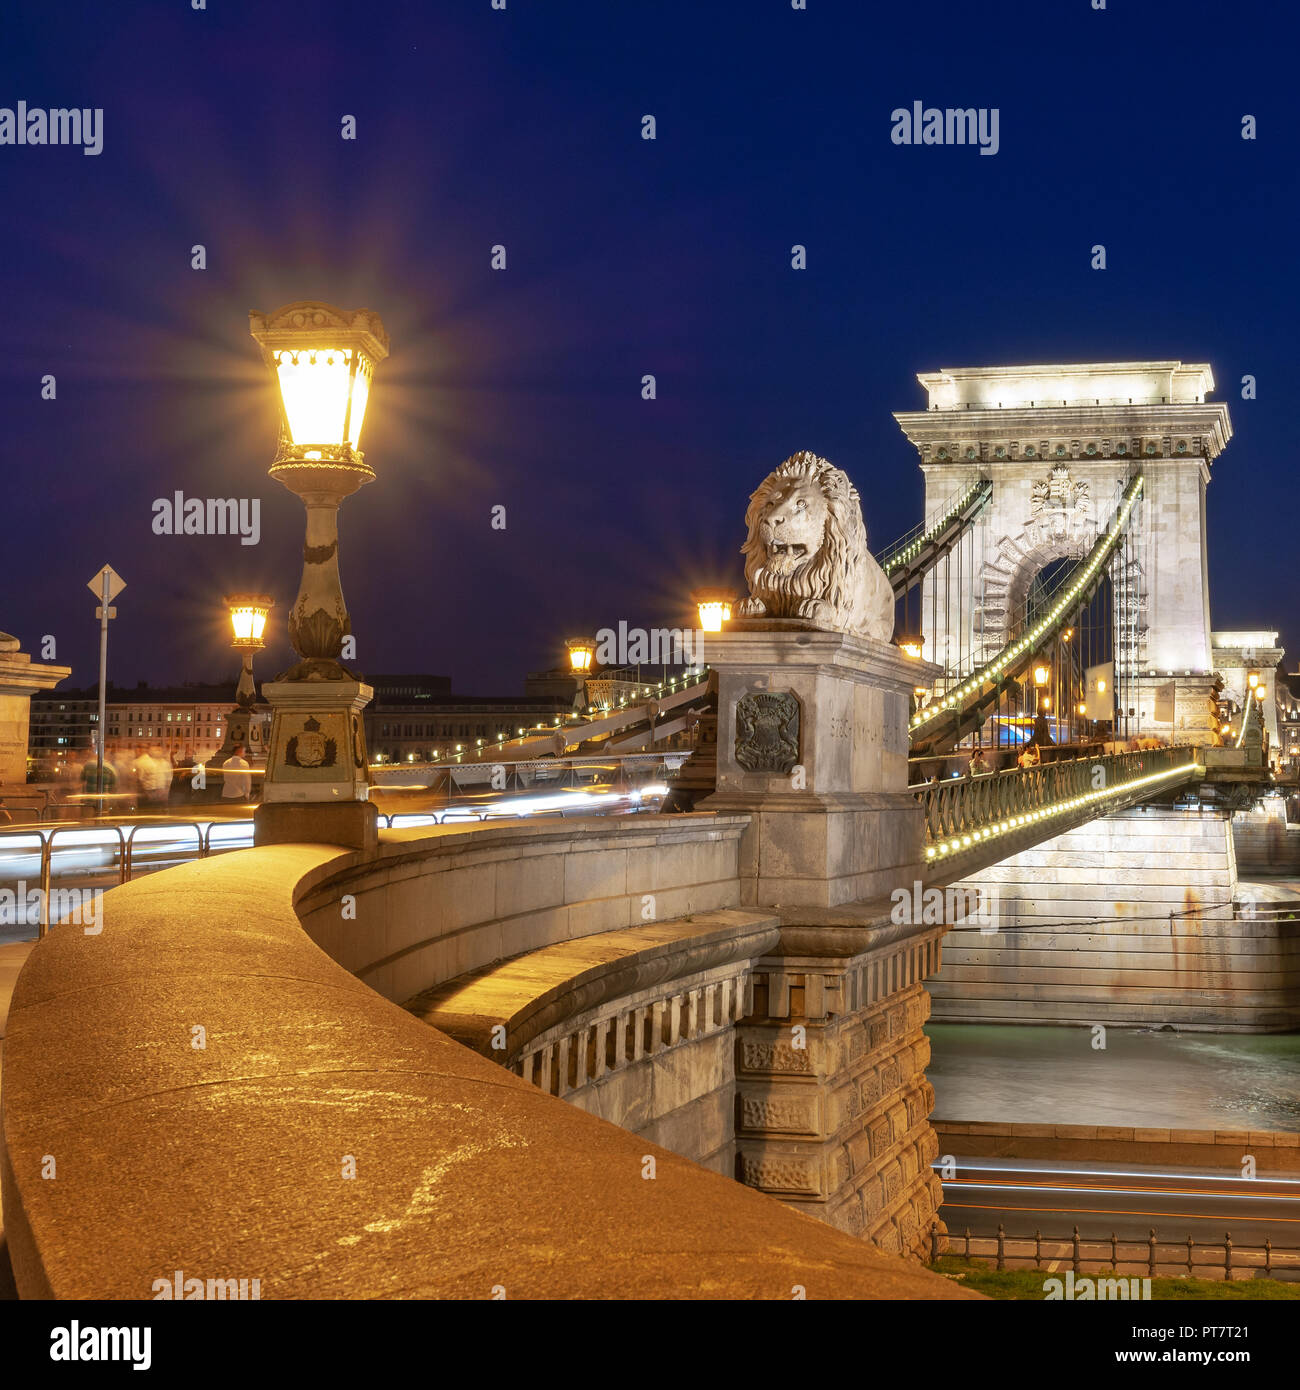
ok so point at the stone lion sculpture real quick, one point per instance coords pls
(806, 553)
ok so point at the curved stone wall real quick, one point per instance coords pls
(431, 905)
(199, 1088)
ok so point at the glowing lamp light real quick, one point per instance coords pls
(1041, 675)
(713, 607)
(1083, 707)
(1101, 685)
(581, 651)
(248, 613)
(1252, 680)
(323, 360)
(912, 645)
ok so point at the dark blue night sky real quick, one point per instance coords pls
(625, 257)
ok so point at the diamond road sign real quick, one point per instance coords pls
(115, 583)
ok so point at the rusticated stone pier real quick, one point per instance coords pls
(834, 1109)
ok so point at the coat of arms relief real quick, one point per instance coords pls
(1060, 503)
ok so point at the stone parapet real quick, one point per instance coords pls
(329, 1144)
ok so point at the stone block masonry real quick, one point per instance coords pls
(1127, 921)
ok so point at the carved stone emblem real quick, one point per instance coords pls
(767, 731)
(1059, 494)
(311, 748)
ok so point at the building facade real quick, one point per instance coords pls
(186, 722)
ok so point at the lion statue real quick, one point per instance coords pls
(806, 554)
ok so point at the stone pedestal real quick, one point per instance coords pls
(353, 824)
(20, 679)
(317, 777)
(812, 743)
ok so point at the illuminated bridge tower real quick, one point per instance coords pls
(1059, 443)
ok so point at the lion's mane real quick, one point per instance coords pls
(842, 574)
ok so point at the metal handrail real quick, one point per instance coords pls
(909, 546)
(958, 806)
(47, 861)
(172, 825)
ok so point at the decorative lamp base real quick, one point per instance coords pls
(317, 751)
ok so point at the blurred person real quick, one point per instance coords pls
(237, 780)
(1030, 757)
(978, 762)
(153, 775)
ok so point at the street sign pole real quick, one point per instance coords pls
(103, 692)
(106, 586)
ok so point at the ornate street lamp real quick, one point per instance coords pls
(713, 607)
(323, 362)
(911, 644)
(581, 651)
(248, 614)
(1043, 702)
(582, 655)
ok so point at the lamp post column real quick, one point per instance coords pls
(317, 784)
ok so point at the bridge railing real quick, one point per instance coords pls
(962, 810)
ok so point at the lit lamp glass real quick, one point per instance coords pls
(324, 362)
(1083, 707)
(1252, 680)
(1041, 675)
(911, 644)
(581, 651)
(248, 614)
(713, 607)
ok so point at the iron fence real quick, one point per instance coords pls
(1152, 1257)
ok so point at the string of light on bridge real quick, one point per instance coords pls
(910, 552)
(1034, 636)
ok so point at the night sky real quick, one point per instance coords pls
(523, 388)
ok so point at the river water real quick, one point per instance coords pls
(1156, 1080)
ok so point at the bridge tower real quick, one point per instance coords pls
(1059, 442)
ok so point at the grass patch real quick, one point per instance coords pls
(1028, 1283)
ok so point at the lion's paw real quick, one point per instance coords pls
(815, 610)
(751, 608)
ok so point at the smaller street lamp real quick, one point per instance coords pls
(1043, 702)
(713, 605)
(581, 651)
(248, 614)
